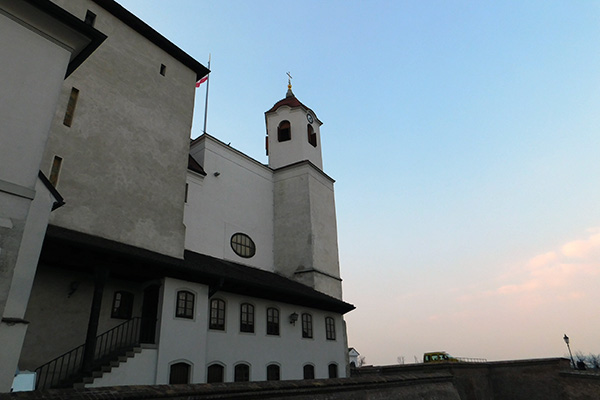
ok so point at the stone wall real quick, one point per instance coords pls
(400, 387)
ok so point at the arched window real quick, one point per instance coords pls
(333, 370)
(312, 135)
(122, 305)
(330, 328)
(307, 331)
(272, 321)
(247, 318)
(273, 372)
(217, 315)
(185, 304)
(215, 373)
(284, 131)
(309, 371)
(179, 373)
(241, 373)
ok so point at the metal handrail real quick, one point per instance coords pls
(61, 370)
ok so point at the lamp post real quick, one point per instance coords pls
(566, 339)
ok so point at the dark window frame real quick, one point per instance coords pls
(332, 370)
(312, 135)
(330, 328)
(247, 318)
(215, 373)
(284, 131)
(241, 373)
(90, 18)
(307, 326)
(272, 321)
(308, 371)
(217, 314)
(178, 371)
(122, 306)
(185, 304)
(273, 372)
(242, 245)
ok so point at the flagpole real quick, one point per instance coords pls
(206, 100)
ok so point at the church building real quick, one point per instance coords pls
(175, 260)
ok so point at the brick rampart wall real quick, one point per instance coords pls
(437, 386)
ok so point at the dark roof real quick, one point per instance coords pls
(194, 166)
(65, 248)
(145, 30)
(291, 101)
(241, 279)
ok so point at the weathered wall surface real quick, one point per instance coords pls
(125, 153)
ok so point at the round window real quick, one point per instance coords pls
(242, 245)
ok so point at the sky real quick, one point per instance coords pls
(464, 138)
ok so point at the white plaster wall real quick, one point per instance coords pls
(298, 148)
(182, 339)
(305, 227)
(137, 370)
(289, 350)
(33, 69)
(125, 155)
(239, 199)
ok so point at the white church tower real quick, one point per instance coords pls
(305, 231)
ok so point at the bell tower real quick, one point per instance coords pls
(305, 244)
(293, 133)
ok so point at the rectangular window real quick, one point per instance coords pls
(55, 170)
(71, 107)
(163, 69)
(185, 304)
(217, 315)
(272, 321)
(186, 192)
(307, 331)
(122, 305)
(330, 328)
(247, 318)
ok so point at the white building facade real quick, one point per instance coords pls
(178, 262)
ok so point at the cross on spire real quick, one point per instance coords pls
(289, 91)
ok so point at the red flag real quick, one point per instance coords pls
(201, 81)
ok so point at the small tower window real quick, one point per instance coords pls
(70, 112)
(90, 18)
(312, 136)
(55, 170)
(163, 69)
(284, 131)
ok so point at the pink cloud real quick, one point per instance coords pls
(551, 275)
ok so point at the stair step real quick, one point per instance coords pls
(97, 374)
(79, 385)
(137, 349)
(106, 368)
(88, 379)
